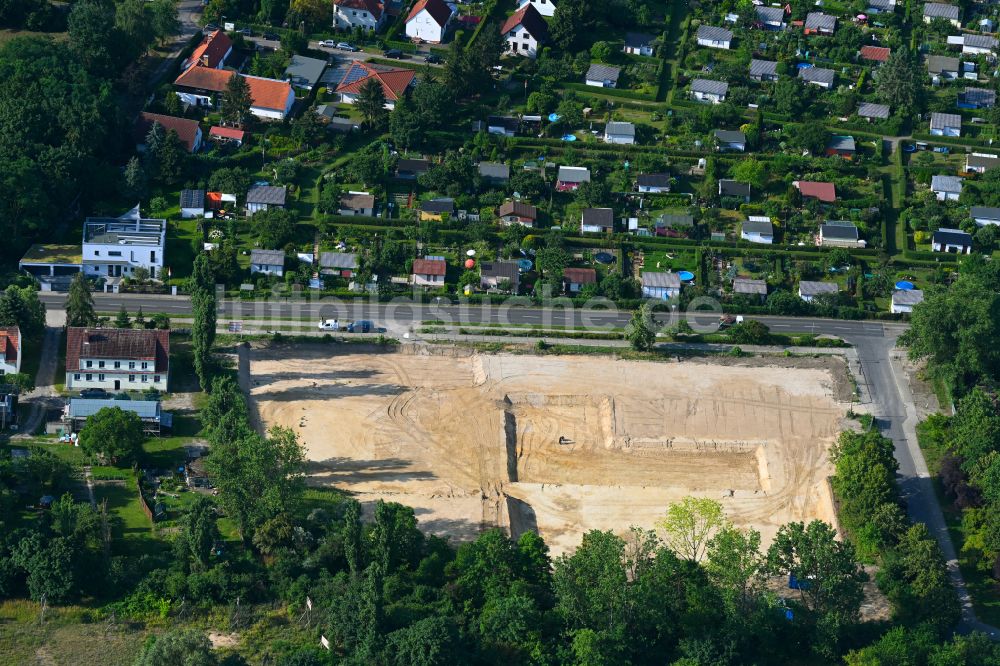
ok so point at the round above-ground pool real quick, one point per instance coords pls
(553, 117)
(569, 137)
(604, 257)
(686, 276)
(905, 285)
(524, 264)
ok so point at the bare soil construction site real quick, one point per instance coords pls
(559, 444)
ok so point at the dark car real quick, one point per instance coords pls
(364, 326)
(432, 58)
(211, 27)
(246, 32)
(394, 53)
(272, 37)
(95, 393)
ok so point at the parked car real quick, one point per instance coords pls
(94, 393)
(330, 325)
(272, 37)
(364, 326)
(328, 44)
(394, 53)
(432, 58)
(344, 46)
(210, 27)
(246, 32)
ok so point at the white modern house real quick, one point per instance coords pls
(664, 286)
(117, 359)
(818, 76)
(809, 290)
(546, 8)
(981, 162)
(706, 90)
(903, 300)
(10, 351)
(263, 197)
(655, 183)
(937, 10)
(983, 215)
(114, 247)
(946, 188)
(428, 21)
(602, 76)
(267, 262)
(619, 132)
(713, 37)
(364, 14)
(597, 221)
(977, 44)
(757, 231)
(946, 124)
(525, 31)
(954, 241)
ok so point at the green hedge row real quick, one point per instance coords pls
(610, 92)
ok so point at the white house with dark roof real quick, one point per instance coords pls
(707, 90)
(267, 262)
(759, 232)
(639, 43)
(953, 241)
(818, 23)
(597, 221)
(114, 247)
(809, 290)
(661, 285)
(428, 20)
(881, 6)
(730, 140)
(264, 197)
(839, 233)
(946, 124)
(734, 188)
(763, 70)
(942, 67)
(713, 37)
(619, 132)
(818, 76)
(602, 76)
(903, 300)
(937, 10)
(569, 178)
(946, 188)
(873, 111)
(656, 183)
(364, 14)
(499, 275)
(771, 18)
(750, 287)
(341, 264)
(978, 44)
(357, 203)
(983, 215)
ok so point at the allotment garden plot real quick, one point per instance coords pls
(560, 444)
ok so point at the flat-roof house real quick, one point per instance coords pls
(435, 209)
(661, 285)
(809, 290)
(657, 183)
(188, 131)
(763, 70)
(429, 272)
(839, 233)
(428, 21)
(818, 23)
(502, 275)
(203, 87)
(903, 300)
(117, 359)
(597, 221)
(619, 132)
(115, 247)
(570, 178)
(978, 44)
(357, 203)
(192, 204)
(10, 350)
(876, 54)
(937, 10)
(52, 265)
(946, 124)
(264, 197)
(983, 215)
(750, 287)
(841, 146)
(517, 212)
(947, 188)
(575, 279)
(977, 98)
(602, 76)
(942, 67)
(525, 31)
(873, 111)
(267, 262)
(154, 419)
(771, 18)
(639, 43)
(825, 192)
(818, 76)
(544, 7)
(732, 188)
(411, 169)
(394, 81)
(503, 125)
(730, 140)
(305, 73)
(706, 90)
(757, 232)
(494, 172)
(713, 37)
(342, 264)
(365, 14)
(953, 241)
(211, 52)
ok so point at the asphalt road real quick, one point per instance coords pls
(881, 381)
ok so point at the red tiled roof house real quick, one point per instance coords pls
(364, 14)
(117, 359)
(394, 81)
(825, 192)
(428, 21)
(429, 272)
(524, 31)
(211, 52)
(188, 131)
(203, 86)
(10, 351)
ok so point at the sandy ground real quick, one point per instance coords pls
(559, 444)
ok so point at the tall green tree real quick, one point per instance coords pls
(690, 525)
(236, 101)
(19, 306)
(115, 434)
(203, 303)
(122, 320)
(371, 104)
(899, 81)
(80, 303)
(641, 329)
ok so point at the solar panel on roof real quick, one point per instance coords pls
(354, 74)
